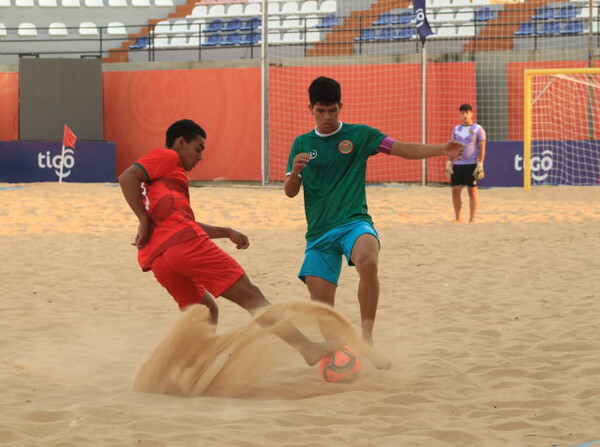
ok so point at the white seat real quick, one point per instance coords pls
(24, 3)
(274, 8)
(94, 3)
(328, 7)
(443, 15)
(140, 3)
(117, 3)
(199, 11)
(47, 3)
(2, 30)
(5, 4)
(57, 29)
(254, 9)
(289, 7)
(584, 13)
(180, 27)
(27, 30)
(313, 36)
(310, 21)
(197, 26)
(161, 41)
(216, 11)
(88, 29)
(193, 41)
(309, 7)
(178, 40)
(463, 15)
(71, 3)
(291, 37)
(444, 31)
(274, 38)
(235, 10)
(116, 29)
(291, 22)
(274, 23)
(465, 31)
(461, 2)
(164, 3)
(162, 27)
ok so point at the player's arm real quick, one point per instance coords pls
(294, 180)
(479, 173)
(130, 181)
(417, 151)
(240, 240)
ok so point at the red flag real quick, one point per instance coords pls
(69, 138)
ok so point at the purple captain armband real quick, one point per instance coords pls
(385, 146)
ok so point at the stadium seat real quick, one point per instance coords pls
(27, 29)
(253, 9)
(199, 11)
(216, 10)
(484, 14)
(565, 12)
(313, 36)
(549, 28)
(193, 41)
(383, 19)
(443, 15)
(162, 27)
(289, 7)
(2, 30)
(328, 6)
(57, 29)
(178, 40)
(94, 3)
(405, 33)
(444, 31)
(161, 41)
(88, 29)
(24, 3)
(164, 3)
(291, 37)
(309, 7)
(292, 21)
(387, 33)
(140, 3)
(253, 23)
(232, 25)
(116, 29)
(367, 34)
(572, 27)
(117, 3)
(197, 26)
(71, 3)
(213, 40)
(250, 39)
(402, 18)
(180, 27)
(5, 4)
(47, 3)
(328, 21)
(235, 10)
(310, 21)
(215, 26)
(544, 13)
(232, 39)
(140, 44)
(526, 29)
(463, 15)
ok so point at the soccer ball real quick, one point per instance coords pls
(340, 366)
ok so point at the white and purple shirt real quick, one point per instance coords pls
(469, 135)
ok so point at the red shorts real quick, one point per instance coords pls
(190, 268)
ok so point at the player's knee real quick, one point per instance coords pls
(367, 266)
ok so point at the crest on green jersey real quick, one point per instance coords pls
(345, 147)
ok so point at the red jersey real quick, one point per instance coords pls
(166, 197)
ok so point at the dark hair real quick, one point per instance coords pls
(465, 108)
(183, 128)
(324, 90)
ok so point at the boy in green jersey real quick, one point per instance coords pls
(330, 163)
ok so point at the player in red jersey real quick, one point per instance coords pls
(180, 251)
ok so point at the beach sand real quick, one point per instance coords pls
(492, 328)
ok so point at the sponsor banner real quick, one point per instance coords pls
(40, 161)
(573, 164)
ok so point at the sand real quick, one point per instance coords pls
(491, 328)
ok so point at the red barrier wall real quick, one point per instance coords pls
(140, 105)
(9, 106)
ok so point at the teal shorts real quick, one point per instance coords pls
(323, 256)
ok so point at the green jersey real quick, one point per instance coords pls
(334, 178)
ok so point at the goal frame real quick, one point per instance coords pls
(527, 107)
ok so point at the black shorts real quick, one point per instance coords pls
(463, 175)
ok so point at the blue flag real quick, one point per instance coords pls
(423, 28)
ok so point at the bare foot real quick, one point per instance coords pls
(457, 221)
(378, 360)
(317, 351)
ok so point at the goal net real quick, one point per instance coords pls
(562, 127)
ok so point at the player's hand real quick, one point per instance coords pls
(449, 170)
(143, 234)
(453, 149)
(478, 173)
(300, 162)
(240, 240)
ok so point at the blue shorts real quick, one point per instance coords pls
(323, 256)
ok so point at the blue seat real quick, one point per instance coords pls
(484, 14)
(234, 38)
(215, 26)
(405, 33)
(367, 34)
(402, 18)
(253, 23)
(386, 34)
(565, 12)
(383, 19)
(232, 25)
(526, 29)
(549, 28)
(250, 39)
(140, 44)
(573, 27)
(544, 13)
(328, 21)
(213, 40)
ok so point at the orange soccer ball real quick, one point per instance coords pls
(340, 366)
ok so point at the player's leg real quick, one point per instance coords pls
(473, 202)
(248, 296)
(457, 202)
